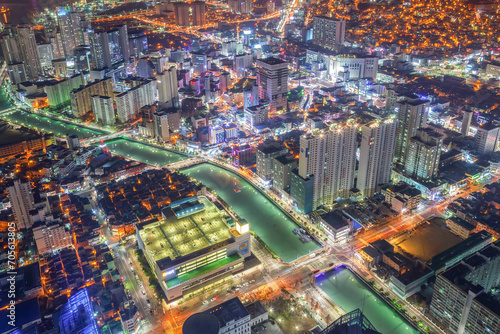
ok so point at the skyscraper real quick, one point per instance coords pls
(330, 156)
(181, 11)
(327, 32)
(272, 79)
(424, 150)
(19, 46)
(104, 112)
(21, 200)
(168, 93)
(109, 47)
(376, 155)
(199, 16)
(71, 32)
(412, 115)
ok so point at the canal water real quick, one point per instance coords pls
(348, 292)
(47, 124)
(142, 152)
(265, 218)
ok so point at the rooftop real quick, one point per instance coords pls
(231, 310)
(174, 238)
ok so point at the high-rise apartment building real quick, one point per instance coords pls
(19, 46)
(181, 12)
(168, 92)
(487, 138)
(71, 31)
(129, 103)
(424, 151)
(412, 115)
(283, 166)
(108, 48)
(104, 111)
(462, 300)
(265, 158)
(199, 15)
(376, 156)
(272, 79)
(81, 98)
(22, 201)
(328, 32)
(330, 156)
(240, 6)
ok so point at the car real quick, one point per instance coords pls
(147, 300)
(251, 281)
(205, 302)
(143, 292)
(213, 299)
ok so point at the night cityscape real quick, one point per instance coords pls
(250, 166)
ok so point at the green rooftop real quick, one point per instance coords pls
(203, 270)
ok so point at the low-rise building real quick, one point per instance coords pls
(336, 225)
(460, 227)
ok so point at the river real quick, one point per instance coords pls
(348, 292)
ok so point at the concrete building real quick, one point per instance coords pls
(22, 202)
(199, 15)
(330, 156)
(412, 115)
(192, 245)
(327, 32)
(130, 319)
(71, 31)
(242, 63)
(283, 166)
(51, 237)
(17, 73)
(466, 120)
(160, 126)
(424, 152)
(460, 227)
(109, 48)
(487, 139)
(376, 155)
(129, 103)
(336, 225)
(462, 301)
(402, 197)
(104, 111)
(272, 79)
(81, 98)
(256, 115)
(168, 92)
(73, 142)
(266, 153)
(181, 10)
(58, 92)
(352, 67)
(301, 191)
(19, 46)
